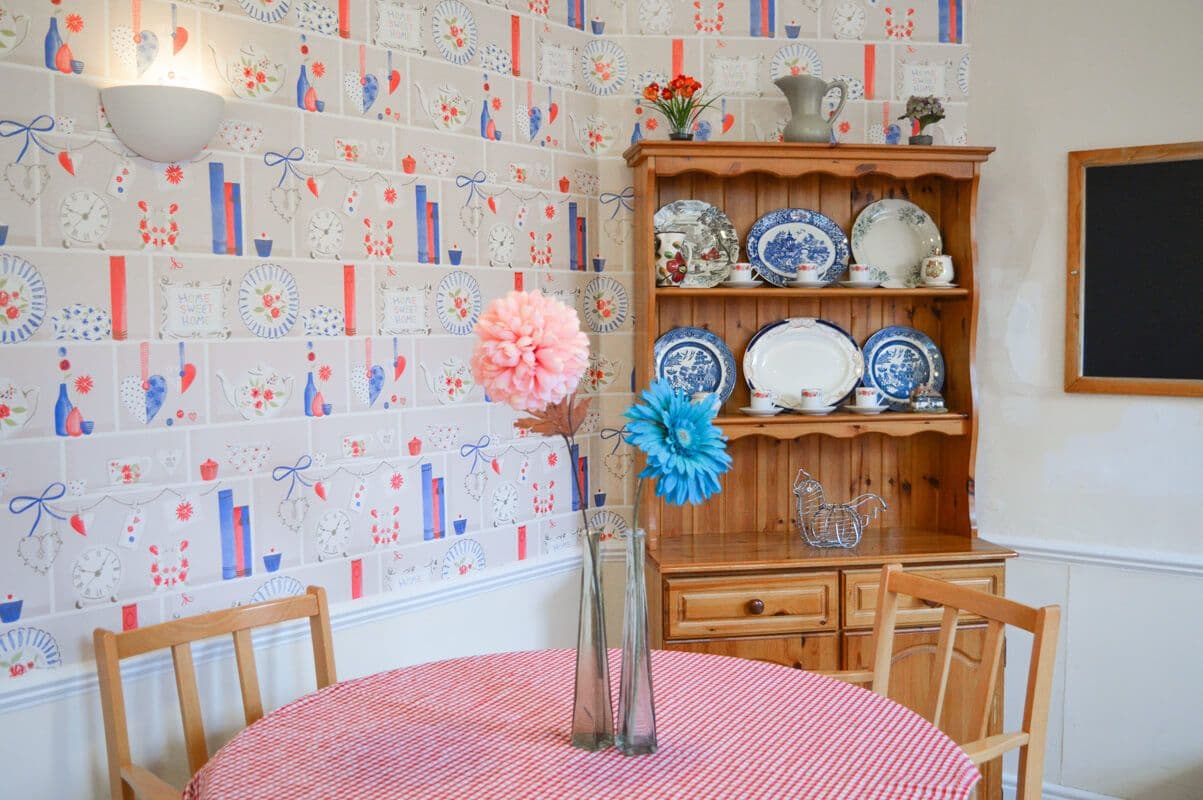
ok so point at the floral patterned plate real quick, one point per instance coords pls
(465, 557)
(454, 30)
(695, 360)
(24, 649)
(604, 65)
(265, 10)
(714, 242)
(796, 59)
(22, 299)
(268, 301)
(781, 240)
(606, 305)
(457, 302)
(894, 236)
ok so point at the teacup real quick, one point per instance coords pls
(936, 270)
(811, 398)
(762, 400)
(867, 397)
(741, 271)
(808, 273)
(859, 273)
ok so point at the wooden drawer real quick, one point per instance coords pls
(860, 594)
(815, 651)
(751, 605)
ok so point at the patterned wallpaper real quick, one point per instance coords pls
(224, 379)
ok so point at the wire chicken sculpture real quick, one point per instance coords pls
(826, 524)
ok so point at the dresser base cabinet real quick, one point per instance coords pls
(771, 599)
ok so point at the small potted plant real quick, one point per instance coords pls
(681, 102)
(926, 111)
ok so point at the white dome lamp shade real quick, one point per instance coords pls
(163, 123)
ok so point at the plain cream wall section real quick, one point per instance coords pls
(1083, 473)
(55, 751)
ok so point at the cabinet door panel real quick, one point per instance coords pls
(818, 651)
(912, 683)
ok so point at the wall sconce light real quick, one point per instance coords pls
(163, 123)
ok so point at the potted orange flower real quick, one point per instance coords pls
(681, 101)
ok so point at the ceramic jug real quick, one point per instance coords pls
(805, 95)
(673, 255)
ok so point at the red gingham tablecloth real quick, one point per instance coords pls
(496, 726)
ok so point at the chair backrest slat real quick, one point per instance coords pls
(1035, 706)
(883, 630)
(178, 636)
(248, 676)
(190, 708)
(944, 648)
(992, 652)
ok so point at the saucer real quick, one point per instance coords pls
(748, 284)
(938, 286)
(855, 409)
(870, 284)
(760, 412)
(815, 412)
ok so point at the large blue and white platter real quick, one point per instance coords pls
(781, 240)
(799, 353)
(897, 359)
(695, 360)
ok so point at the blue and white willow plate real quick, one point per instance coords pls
(781, 240)
(897, 359)
(695, 360)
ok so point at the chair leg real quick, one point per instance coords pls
(1028, 780)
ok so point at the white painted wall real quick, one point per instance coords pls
(1087, 479)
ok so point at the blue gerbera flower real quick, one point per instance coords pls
(686, 453)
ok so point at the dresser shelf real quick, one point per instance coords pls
(778, 293)
(842, 425)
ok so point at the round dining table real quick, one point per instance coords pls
(495, 727)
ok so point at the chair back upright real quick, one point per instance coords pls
(998, 612)
(128, 781)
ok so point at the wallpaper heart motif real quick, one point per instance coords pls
(27, 180)
(361, 90)
(39, 551)
(143, 403)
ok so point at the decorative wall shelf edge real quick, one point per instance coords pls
(841, 426)
(775, 293)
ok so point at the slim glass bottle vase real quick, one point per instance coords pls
(592, 709)
(636, 708)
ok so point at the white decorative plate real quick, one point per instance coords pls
(268, 301)
(454, 30)
(465, 556)
(796, 59)
(803, 353)
(895, 236)
(265, 10)
(22, 299)
(457, 303)
(279, 586)
(604, 65)
(23, 649)
(606, 305)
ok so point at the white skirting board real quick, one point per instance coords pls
(1053, 791)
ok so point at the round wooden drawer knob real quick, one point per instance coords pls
(756, 606)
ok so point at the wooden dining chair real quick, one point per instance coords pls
(998, 612)
(128, 781)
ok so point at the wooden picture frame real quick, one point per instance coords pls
(1076, 379)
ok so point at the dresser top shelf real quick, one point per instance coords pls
(704, 553)
(792, 159)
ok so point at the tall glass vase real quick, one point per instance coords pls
(636, 709)
(592, 710)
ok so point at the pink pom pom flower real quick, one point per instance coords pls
(531, 352)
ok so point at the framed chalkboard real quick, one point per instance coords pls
(1134, 300)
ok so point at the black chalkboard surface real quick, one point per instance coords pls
(1136, 270)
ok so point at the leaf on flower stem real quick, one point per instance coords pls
(559, 419)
